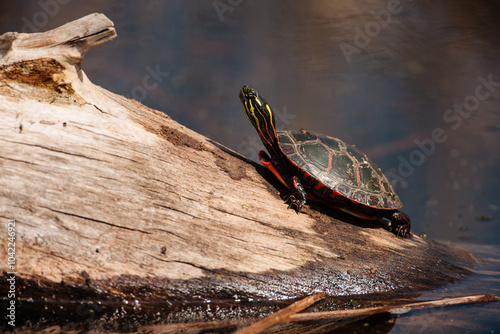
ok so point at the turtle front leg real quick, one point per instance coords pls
(297, 198)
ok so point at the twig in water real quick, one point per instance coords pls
(395, 309)
(282, 315)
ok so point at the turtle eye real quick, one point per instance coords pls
(252, 96)
(250, 92)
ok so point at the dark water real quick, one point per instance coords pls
(414, 84)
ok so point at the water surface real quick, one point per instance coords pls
(415, 85)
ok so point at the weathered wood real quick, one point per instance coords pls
(112, 199)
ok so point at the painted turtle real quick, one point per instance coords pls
(324, 169)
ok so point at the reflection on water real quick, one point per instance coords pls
(414, 84)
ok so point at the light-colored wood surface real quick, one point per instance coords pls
(113, 197)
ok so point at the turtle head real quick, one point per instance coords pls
(259, 112)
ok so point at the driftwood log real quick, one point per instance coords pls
(115, 201)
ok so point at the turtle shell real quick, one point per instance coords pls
(335, 171)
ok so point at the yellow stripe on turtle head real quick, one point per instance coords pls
(258, 112)
(270, 113)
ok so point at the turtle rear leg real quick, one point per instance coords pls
(400, 224)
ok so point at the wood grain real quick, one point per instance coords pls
(115, 199)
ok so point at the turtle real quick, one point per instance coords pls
(323, 169)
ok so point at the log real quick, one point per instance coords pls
(114, 201)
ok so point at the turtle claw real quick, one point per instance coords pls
(402, 231)
(400, 224)
(293, 202)
(294, 206)
(297, 197)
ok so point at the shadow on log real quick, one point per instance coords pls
(114, 201)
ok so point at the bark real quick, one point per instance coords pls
(114, 200)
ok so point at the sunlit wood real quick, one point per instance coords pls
(114, 199)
